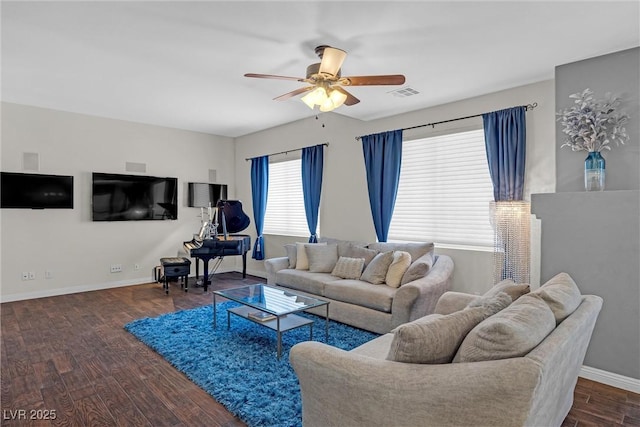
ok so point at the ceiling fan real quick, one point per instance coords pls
(326, 83)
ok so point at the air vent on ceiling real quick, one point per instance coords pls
(404, 92)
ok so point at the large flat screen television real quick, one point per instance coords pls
(118, 197)
(35, 191)
(201, 194)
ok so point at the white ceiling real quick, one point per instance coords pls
(181, 64)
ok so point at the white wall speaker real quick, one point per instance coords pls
(136, 167)
(31, 162)
(213, 175)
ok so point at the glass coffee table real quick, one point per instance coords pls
(271, 307)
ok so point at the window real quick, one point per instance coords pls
(285, 213)
(444, 191)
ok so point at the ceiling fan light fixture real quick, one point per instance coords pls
(333, 101)
(315, 97)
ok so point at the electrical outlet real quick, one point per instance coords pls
(136, 267)
(25, 275)
(32, 275)
(116, 268)
(48, 274)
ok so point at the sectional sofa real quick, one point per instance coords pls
(375, 286)
(478, 361)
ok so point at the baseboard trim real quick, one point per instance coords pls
(83, 288)
(73, 290)
(609, 378)
(262, 274)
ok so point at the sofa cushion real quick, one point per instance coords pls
(378, 348)
(322, 258)
(376, 271)
(353, 251)
(303, 280)
(348, 268)
(561, 295)
(302, 261)
(513, 332)
(292, 252)
(418, 268)
(416, 250)
(343, 245)
(360, 293)
(435, 338)
(399, 265)
(511, 288)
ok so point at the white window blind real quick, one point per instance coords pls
(444, 191)
(285, 213)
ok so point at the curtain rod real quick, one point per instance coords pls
(526, 108)
(326, 144)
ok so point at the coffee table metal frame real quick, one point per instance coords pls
(277, 302)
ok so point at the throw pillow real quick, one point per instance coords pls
(399, 265)
(291, 250)
(376, 271)
(508, 286)
(418, 269)
(561, 295)
(513, 332)
(354, 251)
(435, 338)
(322, 258)
(302, 261)
(489, 301)
(416, 250)
(348, 268)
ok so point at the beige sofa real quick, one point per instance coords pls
(528, 387)
(378, 308)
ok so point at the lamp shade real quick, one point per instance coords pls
(333, 101)
(512, 234)
(315, 97)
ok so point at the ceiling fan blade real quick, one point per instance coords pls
(272, 76)
(391, 79)
(294, 93)
(351, 100)
(332, 59)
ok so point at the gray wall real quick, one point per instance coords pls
(595, 236)
(618, 73)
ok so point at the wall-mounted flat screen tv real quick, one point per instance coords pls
(118, 197)
(35, 191)
(201, 194)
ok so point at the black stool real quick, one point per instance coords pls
(175, 267)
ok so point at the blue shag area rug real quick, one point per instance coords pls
(238, 367)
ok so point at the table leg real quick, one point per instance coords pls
(205, 274)
(279, 352)
(326, 325)
(310, 331)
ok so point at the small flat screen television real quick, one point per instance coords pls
(117, 197)
(201, 194)
(35, 191)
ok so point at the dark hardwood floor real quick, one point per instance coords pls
(69, 358)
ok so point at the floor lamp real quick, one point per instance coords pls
(512, 237)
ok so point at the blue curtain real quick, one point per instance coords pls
(505, 141)
(259, 191)
(312, 164)
(382, 159)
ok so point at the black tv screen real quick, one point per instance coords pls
(35, 191)
(118, 197)
(201, 194)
